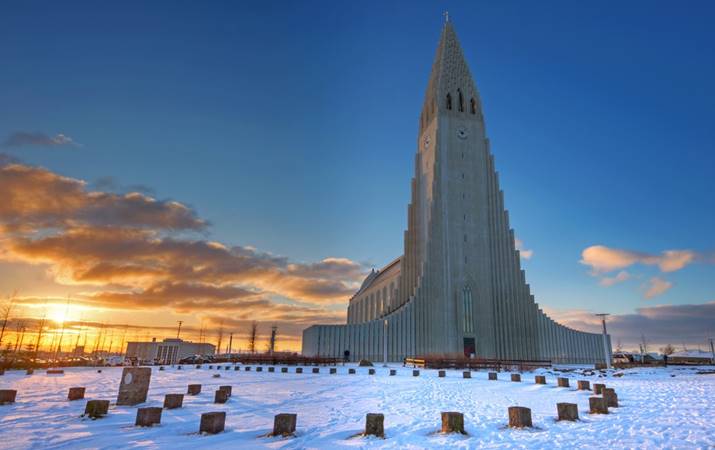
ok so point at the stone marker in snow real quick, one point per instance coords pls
(134, 385)
(55, 372)
(466, 374)
(298, 370)
(161, 367)
(583, 385)
(563, 382)
(284, 370)
(96, 408)
(284, 424)
(540, 379)
(194, 389)
(75, 393)
(567, 411)
(453, 422)
(441, 374)
(609, 394)
(237, 368)
(7, 396)
(271, 369)
(229, 368)
(216, 375)
(516, 377)
(316, 370)
(29, 371)
(597, 388)
(221, 396)
(393, 372)
(228, 389)
(211, 367)
(351, 371)
(173, 401)
(492, 376)
(415, 373)
(212, 422)
(375, 425)
(333, 371)
(371, 371)
(198, 366)
(598, 405)
(519, 417)
(99, 370)
(178, 367)
(147, 417)
(2, 371)
(258, 369)
(247, 369)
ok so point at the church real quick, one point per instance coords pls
(459, 288)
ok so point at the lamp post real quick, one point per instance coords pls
(712, 349)
(605, 339)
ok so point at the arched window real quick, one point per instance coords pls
(474, 106)
(461, 101)
(449, 101)
(468, 318)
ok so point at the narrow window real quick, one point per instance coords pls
(467, 306)
(449, 101)
(474, 106)
(461, 101)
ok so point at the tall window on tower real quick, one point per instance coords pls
(449, 100)
(474, 106)
(468, 310)
(461, 100)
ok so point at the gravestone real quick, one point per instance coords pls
(29, 371)
(516, 377)
(333, 371)
(212, 422)
(271, 369)
(441, 374)
(75, 393)
(598, 405)
(96, 408)
(173, 401)
(178, 367)
(259, 369)
(284, 370)
(351, 371)
(7, 396)
(316, 370)
(247, 368)
(583, 385)
(229, 367)
(519, 417)
(228, 389)
(453, 422)
(492, 376)
(99, 370)
(147, 417)
(284, 424)
(211, 367)
(393, 372)
(194, 389)
(375, 425)
(466, 374)
(598, 387)
(55, 372)
(2, 371)
(540, 379)
(161, 367)
(371, 371)
(563, 382)
(298, 370)
(415, 373)
(134, 386)
(220, 396)
(567, 411)
(198, 366)
(609, 394)
(236, 368)
(216, 375)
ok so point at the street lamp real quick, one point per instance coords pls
(605, 339)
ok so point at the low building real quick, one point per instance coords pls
(168, 351)
(695, 357)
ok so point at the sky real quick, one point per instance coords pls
(225, 162)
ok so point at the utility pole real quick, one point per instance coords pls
(178, 332)
(230, 342)
(605, 339)
(274, 330)
(712, 349)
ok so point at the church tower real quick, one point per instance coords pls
(459, 288)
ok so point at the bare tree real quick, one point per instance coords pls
(252, 337)
(5, 310)
(667, 350)
(619, 346)
(220, 338)
(272, 344)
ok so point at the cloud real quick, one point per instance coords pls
(24, 138)
(35, 198)
(657, 286)
(603, 259)
(526, 254)
(619, 278)
(679, 325)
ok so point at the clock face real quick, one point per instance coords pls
(427, 141)
(462, 133)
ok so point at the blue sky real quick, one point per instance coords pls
(291, 126)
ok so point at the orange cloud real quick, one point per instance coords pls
(603, 259)
(657, 286)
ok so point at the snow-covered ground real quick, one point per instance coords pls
(659, 408)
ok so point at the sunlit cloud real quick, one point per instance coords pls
(603, 259)
(526, 254)
(657, 286)
(620, 277)
(25, 138)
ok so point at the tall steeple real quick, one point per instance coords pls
(450, 77)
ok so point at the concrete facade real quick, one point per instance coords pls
(168, 351)
(459, 288)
